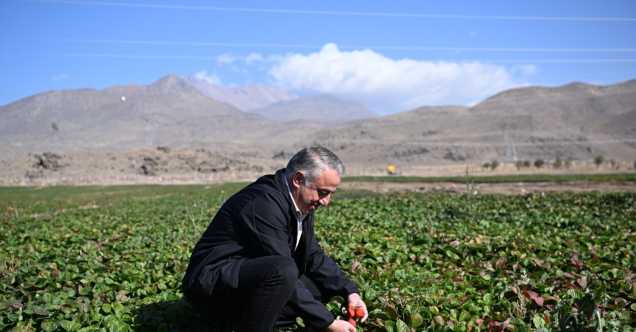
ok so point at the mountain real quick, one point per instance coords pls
(575, 121)
(281, 105)
(575, 108)
(167, 112)
(245, 98)
(320, 108)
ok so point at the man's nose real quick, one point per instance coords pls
(325, 200)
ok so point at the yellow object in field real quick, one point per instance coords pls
(391, 169)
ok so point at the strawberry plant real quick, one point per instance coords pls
(112, 258)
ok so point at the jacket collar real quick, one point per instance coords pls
(280, 177)
(281, 184)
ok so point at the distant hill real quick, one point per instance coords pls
(281, 105)
(167, 112)
(576, 121)
(245, 98)
(320, 108)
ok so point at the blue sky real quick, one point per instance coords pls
(391, 55)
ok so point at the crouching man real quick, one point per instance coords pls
(258, 264)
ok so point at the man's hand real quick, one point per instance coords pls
(340, 326)
(355, 302)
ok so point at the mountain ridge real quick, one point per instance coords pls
(573, 121)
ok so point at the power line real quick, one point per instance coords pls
(348, 47)
(284, 11)
(196, 43)
(555, 61)
(508, 49)
(503, 61)
(135, 56)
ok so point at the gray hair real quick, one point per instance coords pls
(313, 160)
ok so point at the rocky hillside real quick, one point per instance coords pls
(576, 121)
(168, 112)
(573, 122)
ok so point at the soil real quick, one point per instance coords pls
(163, 165)
(517, 188)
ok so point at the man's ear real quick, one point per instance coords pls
(298, 179)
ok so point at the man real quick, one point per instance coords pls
(258, 264)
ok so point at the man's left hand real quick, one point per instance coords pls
(354, 300)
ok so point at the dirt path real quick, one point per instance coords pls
(516, 188)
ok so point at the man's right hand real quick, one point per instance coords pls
(341, 326)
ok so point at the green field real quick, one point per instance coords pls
(111, 258)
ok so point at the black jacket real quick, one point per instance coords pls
(260, 220)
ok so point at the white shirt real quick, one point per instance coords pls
(299, 216)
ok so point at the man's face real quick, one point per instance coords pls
(310, 196)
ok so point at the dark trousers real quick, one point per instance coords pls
(260, 301)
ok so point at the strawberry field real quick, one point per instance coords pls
(111, 258)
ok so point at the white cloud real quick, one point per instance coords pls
(388, 85)
(209, 78)
(253, 58)
(225, 59)
(249, 60)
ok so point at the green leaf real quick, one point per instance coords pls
(48, 326)
(538, 321)
(69, 325)
(416, 320)
(401, 326)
